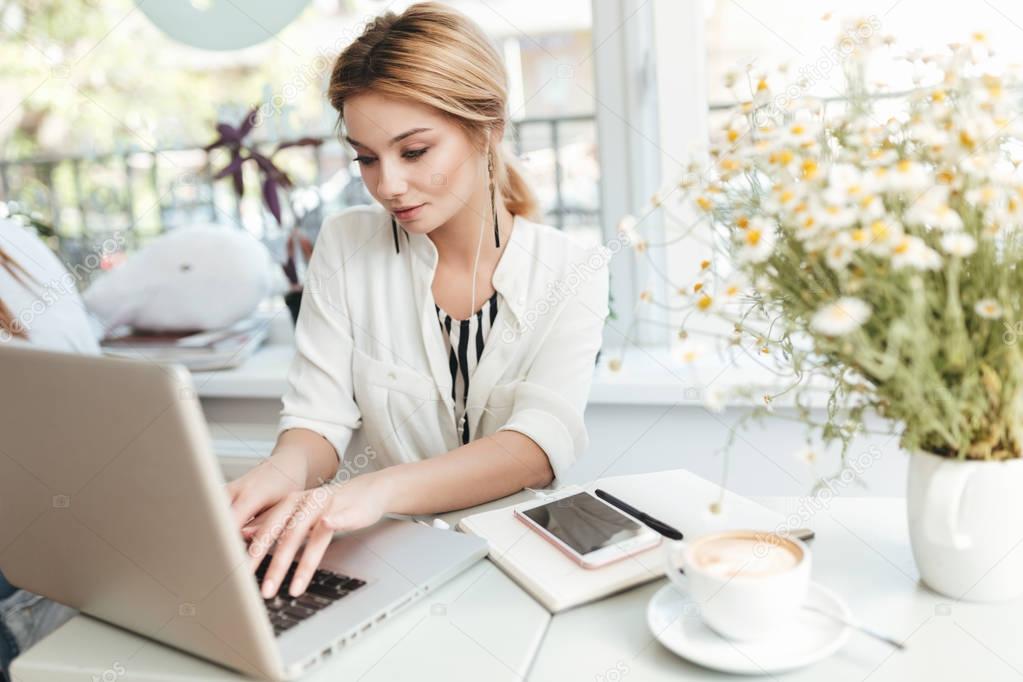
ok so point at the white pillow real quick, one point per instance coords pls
(197, 277)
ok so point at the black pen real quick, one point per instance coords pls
(660, 526)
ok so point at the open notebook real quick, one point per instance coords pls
(676, 497)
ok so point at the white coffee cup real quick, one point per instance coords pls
(746, 583)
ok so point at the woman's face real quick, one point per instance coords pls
(415, 161)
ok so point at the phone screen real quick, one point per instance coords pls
(584, 523)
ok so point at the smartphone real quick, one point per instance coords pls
(590, 531)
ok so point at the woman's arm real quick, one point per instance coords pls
(319, 413)
(485, 469)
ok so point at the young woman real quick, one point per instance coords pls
(446, 342)
(39, 305)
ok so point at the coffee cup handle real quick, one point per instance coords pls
(671, 569)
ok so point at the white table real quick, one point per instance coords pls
(862, 552)
(482, 626)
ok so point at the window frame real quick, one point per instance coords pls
(649, 122)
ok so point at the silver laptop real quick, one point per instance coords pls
(111, 501)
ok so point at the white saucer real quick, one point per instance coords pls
(809, 638)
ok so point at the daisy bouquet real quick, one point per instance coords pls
(878, 249)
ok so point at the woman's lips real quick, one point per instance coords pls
(410, 213)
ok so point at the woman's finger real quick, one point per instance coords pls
(305, 514)
(319, 539)
(244, 507)
(267, 532)
(250, 529)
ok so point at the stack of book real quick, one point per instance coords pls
(196, 350)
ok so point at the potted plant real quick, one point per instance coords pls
(882, 251)
(272, 179)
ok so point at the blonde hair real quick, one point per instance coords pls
(435, 55)
(8, 323)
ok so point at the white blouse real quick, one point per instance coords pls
(372, 374)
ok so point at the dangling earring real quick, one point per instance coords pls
(394, 230)
(493, 207)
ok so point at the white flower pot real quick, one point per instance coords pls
(966, 526)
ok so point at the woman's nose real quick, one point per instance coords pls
(391, 182)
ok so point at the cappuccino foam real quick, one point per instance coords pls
(730, 556)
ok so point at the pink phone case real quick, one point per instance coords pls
(569, 552)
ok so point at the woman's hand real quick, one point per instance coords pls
(312, 516)
(266, 485)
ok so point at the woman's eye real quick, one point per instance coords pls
(411, 154)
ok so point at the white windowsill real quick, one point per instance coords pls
(651, 376)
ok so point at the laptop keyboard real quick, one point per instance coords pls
(325, 588)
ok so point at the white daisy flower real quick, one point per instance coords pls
(870, 207)
(733, 132)
(988, 308)
(627, 228)
(973, 131)
(879, 157)
(757, 241)
(761, 91)
(800, 133)
(940, 217)
(931, 209)
(732, 288)
(783, 197)
(1001, 219)
(807, 454)
(913, 252)
(976, 166)
(882, 236)
(958, 244)
(906, 176)
(930, 260)
(928, 134)
(1006, 175)
(805, 224)
(688, 352)
(763, 150)
(834, 216)
(985, 195)
(840, 317)
(840, 252)
(714, 399)
(847, 183)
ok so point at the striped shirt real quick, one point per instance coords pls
(464, 340)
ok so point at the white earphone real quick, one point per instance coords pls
(475, 265)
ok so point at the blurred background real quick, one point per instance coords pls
(105, 113)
